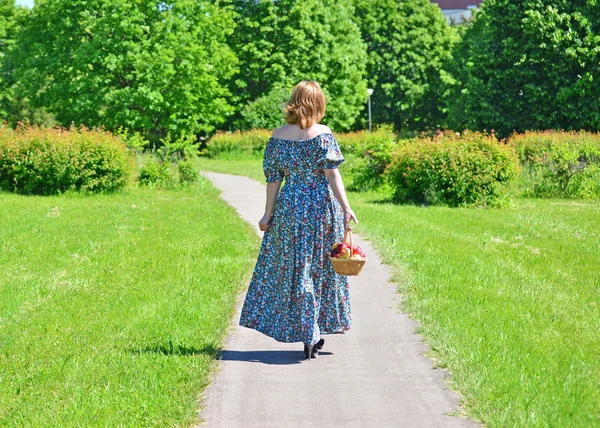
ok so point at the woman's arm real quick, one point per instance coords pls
(272, 192)
(337, 185)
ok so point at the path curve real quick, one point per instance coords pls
(373, 376)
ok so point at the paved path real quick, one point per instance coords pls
(373, 376)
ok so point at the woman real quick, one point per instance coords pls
(294, 294)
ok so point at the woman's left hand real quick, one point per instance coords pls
(264, 223)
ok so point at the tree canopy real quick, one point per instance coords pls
(529, 65)
(408, 41)
(149, 66)
(280, 42)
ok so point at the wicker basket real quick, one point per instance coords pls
(351, 266)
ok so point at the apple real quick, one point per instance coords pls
(345, 253)
(356, 250)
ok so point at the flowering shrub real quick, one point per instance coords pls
(44, 161)
(451, 169)
(560, 164)
(228, 144)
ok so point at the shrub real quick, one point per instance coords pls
(374, 152)
(44, 161)
(454, 170)
(155, 172)
(188, 171)
(234, 144)
(560, 164)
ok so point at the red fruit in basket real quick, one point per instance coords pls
(356, 250)
(339, 247)
(345, 253)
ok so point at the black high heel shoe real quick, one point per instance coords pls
(311, 351)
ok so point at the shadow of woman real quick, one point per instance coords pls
(267, 357)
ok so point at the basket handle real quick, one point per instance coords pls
(349, 232)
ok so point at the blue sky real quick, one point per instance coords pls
(28, 3)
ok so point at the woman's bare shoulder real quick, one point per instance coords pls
(292, 132)
(281, 132)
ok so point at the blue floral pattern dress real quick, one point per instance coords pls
(294, 294)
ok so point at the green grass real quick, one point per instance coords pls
(507, 299)
(113, 307)
(248, 167)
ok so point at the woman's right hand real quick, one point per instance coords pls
(349, 215)
(264, 223)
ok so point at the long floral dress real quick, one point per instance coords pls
(294, 294)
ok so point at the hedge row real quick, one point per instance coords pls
(560, 164)
(236, 144)
(45, 161)
(455, 169)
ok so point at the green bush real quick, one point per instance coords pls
(45, 161)
(237, 144)
(188, 171)
(560, 164)
(373, 152)
(155, 172)
(452, 169)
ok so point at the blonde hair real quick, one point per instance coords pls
(306, 105)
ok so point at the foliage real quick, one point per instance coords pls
(408, 42)
(171, 158)
(150, 67)
(280, 42)
(529, 65)
(13, 107)
(250, 143)
(374, 153)
(454, 170)
(44, 161)
(188, 171)
(265, 112)
(560, 164)
(156, 172)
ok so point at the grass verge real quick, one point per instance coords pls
(507, 299)
(113, 307)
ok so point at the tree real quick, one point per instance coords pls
(280, 42)
(149, 66)
(529, 65)
(12, 107)
(408, 42)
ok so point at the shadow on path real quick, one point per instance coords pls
(268, 357)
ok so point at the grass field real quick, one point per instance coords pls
(112, 308)
(507, 299)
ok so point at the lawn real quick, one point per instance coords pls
(507, 299)
(113, 307)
